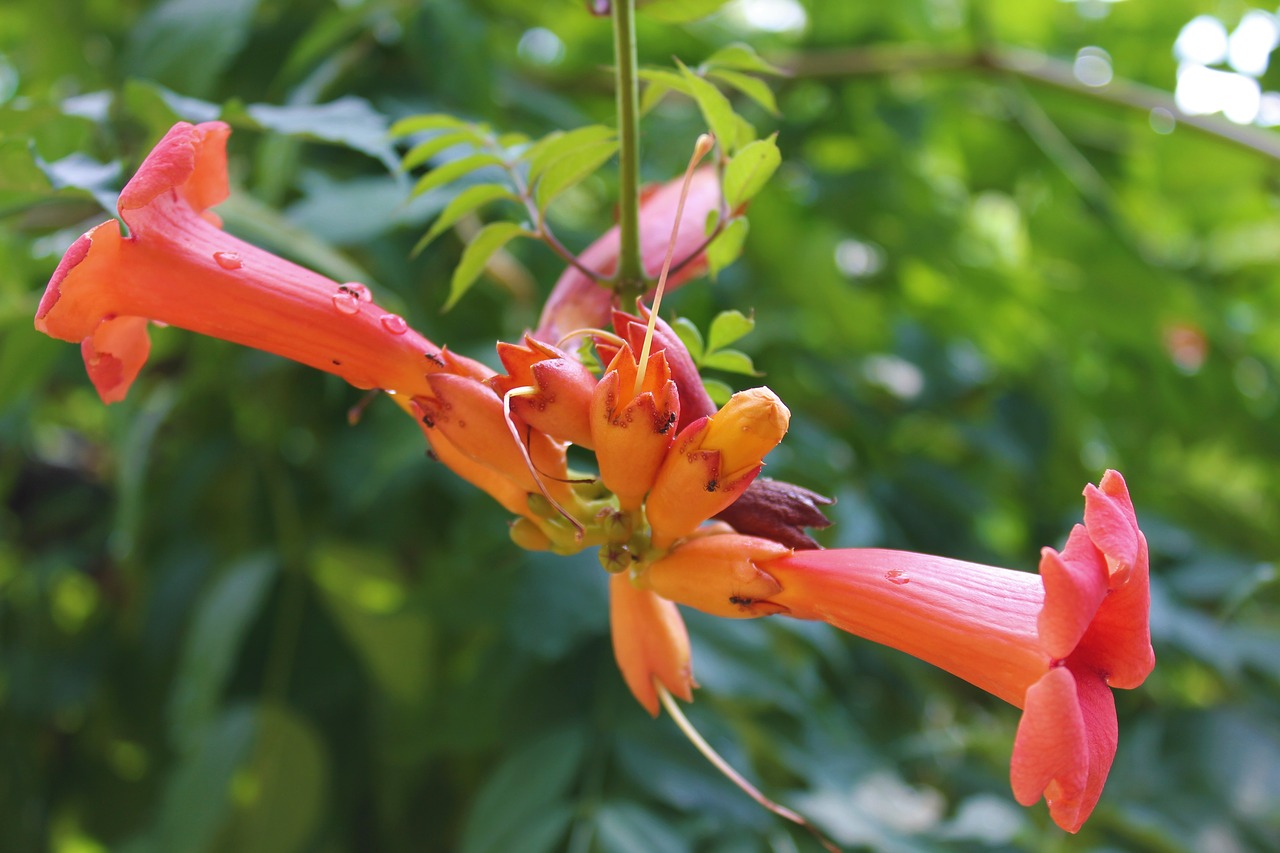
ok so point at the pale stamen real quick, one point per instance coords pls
(704, 144)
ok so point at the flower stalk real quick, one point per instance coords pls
(630, 280)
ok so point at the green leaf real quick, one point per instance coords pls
(451, 171)
(727, 327)
(681, 11)
(196, 794)
(658, 82)
(572, 169)
(364, 591)
(491, 238)
(653, 92)
(186, 44)
(350, 122)
(467, 201)
(424, 151)
(753, 87)
(730, 361)
(279, 795)
(520, 793)
(557, 146)
(741, 57)
(718, 391)
(211, 646)
(716, 110)
(625, 827)
(749, 170)
(81, 172)
(726, 248)
(689, 336)
(434, 121)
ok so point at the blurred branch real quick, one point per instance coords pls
(1032, 67)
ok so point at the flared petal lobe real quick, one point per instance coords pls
(1065, 744)
(178, 267)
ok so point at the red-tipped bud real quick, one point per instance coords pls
(562, 388)
(695, 402)
(632, 431)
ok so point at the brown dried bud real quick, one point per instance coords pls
(772, 509)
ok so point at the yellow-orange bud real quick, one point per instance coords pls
(649, 641)
(713, 461)
(720, 574)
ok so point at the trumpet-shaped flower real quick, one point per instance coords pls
(578, 302)
(177, 266)
(1052, 645)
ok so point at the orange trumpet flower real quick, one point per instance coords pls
(1051, 644)
(178, 267)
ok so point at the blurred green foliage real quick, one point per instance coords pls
(231, 621)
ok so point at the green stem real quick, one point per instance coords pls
(631, 275)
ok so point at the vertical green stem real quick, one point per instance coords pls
(630, 280)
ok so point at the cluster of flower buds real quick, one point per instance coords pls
(663, 467)
(668, 464)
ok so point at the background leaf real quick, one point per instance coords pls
(490, 239)
(974, 289)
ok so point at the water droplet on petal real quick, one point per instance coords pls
(346, 303)
(358, 290)
(228, 260)
(897, 576)
(394, 324)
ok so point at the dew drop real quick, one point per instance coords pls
(358, 290)
(394, 324)
(346, 303)
(228, 260)
(897, 576)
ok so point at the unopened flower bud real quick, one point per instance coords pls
(713, 461)
(720, 574)
(633, 430)
(650, 642)
(557, 388)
